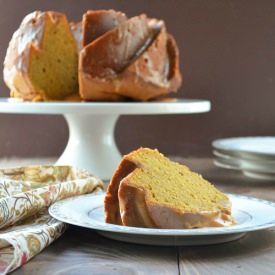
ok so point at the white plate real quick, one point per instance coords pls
(247, 147)
(260, 165)
(247, 170)
(179, 106)
(87, 211)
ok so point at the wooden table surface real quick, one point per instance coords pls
(83, 251)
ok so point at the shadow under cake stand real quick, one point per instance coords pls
(91, 143)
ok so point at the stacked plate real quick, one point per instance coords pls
(254, 156)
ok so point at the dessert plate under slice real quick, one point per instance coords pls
(87, 211)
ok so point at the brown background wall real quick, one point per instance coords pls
(227, 56)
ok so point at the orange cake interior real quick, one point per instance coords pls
(57, 61)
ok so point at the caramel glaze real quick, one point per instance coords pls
(17, 58)
(76, 29)
(137, 59)
(111, 202)
(136, 211)
(97, 23)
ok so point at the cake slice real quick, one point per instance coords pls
(149, 190)
(42, 58)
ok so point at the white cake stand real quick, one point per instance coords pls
(91, 143)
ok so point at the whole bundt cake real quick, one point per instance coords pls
(105, 57)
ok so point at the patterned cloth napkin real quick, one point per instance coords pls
(26, 228)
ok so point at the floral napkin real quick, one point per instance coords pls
(26, 228)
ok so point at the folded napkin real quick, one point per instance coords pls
(26, 228)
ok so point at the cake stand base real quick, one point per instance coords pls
(91, 144)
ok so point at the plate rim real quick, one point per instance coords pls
(233, 157)
(254, 174)
(117, 229)
(242, 166)
(240, 152)
(181, 106)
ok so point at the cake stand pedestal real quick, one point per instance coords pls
(91, 143)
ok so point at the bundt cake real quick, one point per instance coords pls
(42, 58)
(149, 190)
(126, 58)
(105, 57)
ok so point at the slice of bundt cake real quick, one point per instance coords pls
(42, 58)
(149, 190)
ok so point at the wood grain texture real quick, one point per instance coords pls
(253, 254)
(82, 251)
